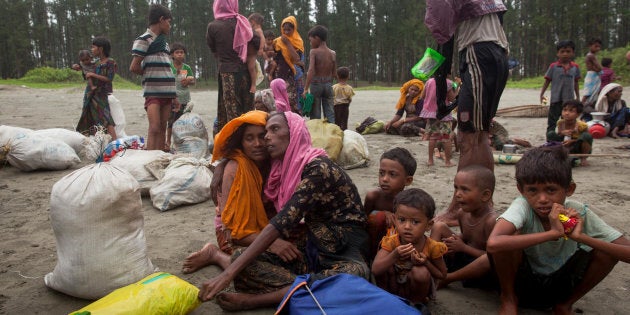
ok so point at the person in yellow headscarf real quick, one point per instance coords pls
(289, 58)
(241, 214)
(409, 105)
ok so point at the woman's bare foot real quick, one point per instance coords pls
(201, 258)
(233, 302)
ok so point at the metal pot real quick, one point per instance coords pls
(600, 116)
(509, 148)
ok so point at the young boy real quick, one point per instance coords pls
(322, 69)
(86, 65)
(592, 81)
(408, 261)
(151, 59)
(565, 74)
(396, 170)
(608, 75)
(184, 77)
(343, 94)
(467, 259)
(536, 265)
(573, 132)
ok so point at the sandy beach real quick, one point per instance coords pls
(29, 248)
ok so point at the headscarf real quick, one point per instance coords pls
(226, 9)
(280, 95)
(286, 174)
(403, 92)
(602, 101)
(243, 212)
(295, 39)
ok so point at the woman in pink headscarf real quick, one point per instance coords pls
(307, 186)
(228, 37)
(280, 95)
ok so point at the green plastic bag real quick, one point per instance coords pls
(307, 104)
(427, 65)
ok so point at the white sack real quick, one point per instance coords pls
(186, 181)
(134, 161)
(190, 136)
(29, 152)
(354, 152)
(74, 139)
(9, 132)
(118, 115)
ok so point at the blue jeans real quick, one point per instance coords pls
(322, 98)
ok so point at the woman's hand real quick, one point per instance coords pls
(287, 251)
(212, 287)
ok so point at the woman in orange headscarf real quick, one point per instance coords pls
(410, 105)
(289, 49)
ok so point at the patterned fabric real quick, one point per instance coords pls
(234, 97)
(592, 85)
(95, 110)
(432, 249)
(157, 79)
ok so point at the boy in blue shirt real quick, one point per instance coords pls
(565, 74)
(536, 263)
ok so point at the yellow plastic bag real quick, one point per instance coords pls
(326, 136)
(159, 293)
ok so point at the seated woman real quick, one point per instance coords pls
(609, 101)
(410, 105)
(242, 142)
(307, 186)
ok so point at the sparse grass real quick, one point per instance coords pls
(52, 78)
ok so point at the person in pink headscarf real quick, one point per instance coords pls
(280, 95)
(228, 37)
(306, 186)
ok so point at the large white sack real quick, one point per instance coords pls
(354, 152)
(134, 161)
(71, 137)
(190, 136)
(186, 181)
(29, 152)
(118, 115)
(9, 132)
(96, 214)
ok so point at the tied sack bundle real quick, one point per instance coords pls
(135, 161)
(354, 152)
(29, 152)
(96, 215)
(186, 181)
(326, 136)
(190, 136)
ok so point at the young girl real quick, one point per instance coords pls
(438, 130)
(409, 262)
(410, 105)
(95, 104)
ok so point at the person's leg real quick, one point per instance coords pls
(448, 153)
(316, 110)
(153, 114)
(474, 148)
(251, 69)
(506, 265)
(206, 256)
(599, 267)
(111, 130)
(243, 99)
(555, 111)
(419, 284)
(431, 149)
(221, 119)
(327, 102)
(243, 301)
(476, 269)
(586, 146)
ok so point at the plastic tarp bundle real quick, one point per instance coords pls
(326, 136)
(354, 152)
(118, 115)
(96, 215)
(134, 161)
(159, 293)
(29, 152)
(190, 136)
(340, 294)
(186, 181)
(70, 137)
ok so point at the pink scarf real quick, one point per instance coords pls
(280, 95)
(286, 174)
(226, 9)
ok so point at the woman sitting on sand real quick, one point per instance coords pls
(242, 142)
(307, 186)
(410, 105)
(609, 101)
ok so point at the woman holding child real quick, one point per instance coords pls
(289, 56)
(306, 185)
(410, 105)
(609, 101)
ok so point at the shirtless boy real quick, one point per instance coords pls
(322, 69)
(467, 259)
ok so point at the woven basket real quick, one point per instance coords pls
(524, 111)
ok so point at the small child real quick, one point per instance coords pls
(86, 65)
(396, 170)
(252, 50)
(467, 259)
(322, 69)
(270, 54)
(565, 75)
(409, 262)
(184, 77)
(608, 75)
(438, 130)
(151, 59)
(256, 20)
(573, 132)
(536, 264)
(343, 94)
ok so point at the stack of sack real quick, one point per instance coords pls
(347, 148)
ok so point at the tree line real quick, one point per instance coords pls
(380, 40)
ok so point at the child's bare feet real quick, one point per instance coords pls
(430, 163)
(201, 258)
(584, 162)
(449, 164)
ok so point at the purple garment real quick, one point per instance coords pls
(443, 16)
(606, 77)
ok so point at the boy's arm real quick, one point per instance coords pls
(383, 261)
(576, 87)
(618, 249)
(544, 88)
(504, 237)
(136, 65)
(311, 70)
